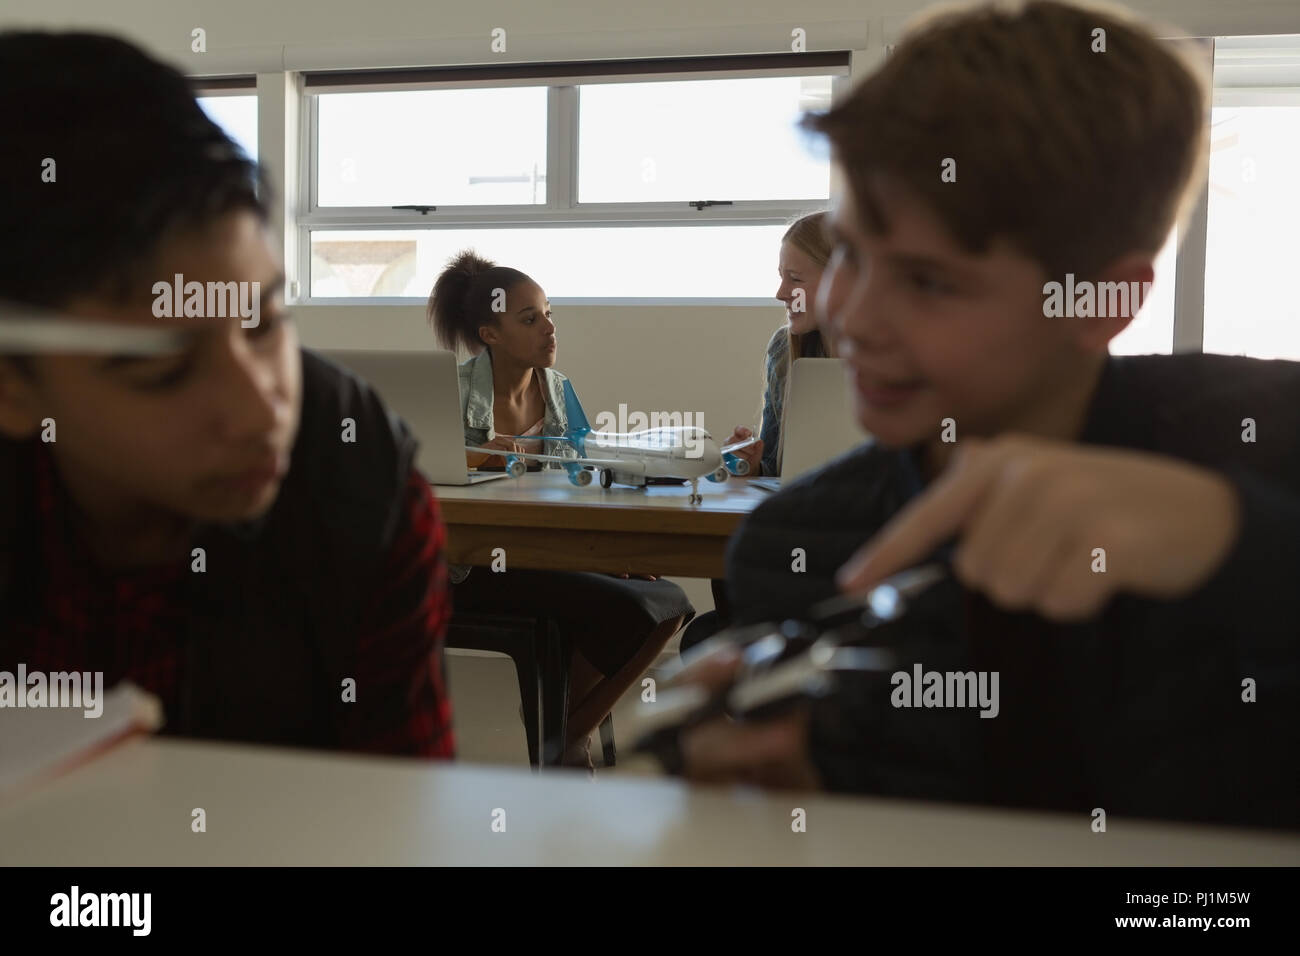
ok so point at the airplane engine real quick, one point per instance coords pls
(516, 466)
(580, 477)
(735, 464)
(719, 474)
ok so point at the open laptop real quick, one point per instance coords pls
(819, 420)
(424, 390)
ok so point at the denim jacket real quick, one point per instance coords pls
(476, 404)
(776, 369)
(476, 412)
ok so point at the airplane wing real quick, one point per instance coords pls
(539, 437)
(531, 456)
(731, 449)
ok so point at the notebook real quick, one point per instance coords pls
(41, 741)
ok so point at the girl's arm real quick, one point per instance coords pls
(770, 426)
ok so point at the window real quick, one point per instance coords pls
(1253, 233)
(699, 139)
(1152, 330)
(654, 180)
(236, 114)
(432, 147)
(709, 261)
(1253, 213)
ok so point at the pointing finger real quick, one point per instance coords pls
(925, 523)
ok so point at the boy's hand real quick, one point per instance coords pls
(751, 453)
(1029, 512)
(772, 753)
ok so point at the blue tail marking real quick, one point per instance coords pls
(579, 428)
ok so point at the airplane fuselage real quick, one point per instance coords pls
(670, 452)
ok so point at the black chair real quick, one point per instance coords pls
(542, 656)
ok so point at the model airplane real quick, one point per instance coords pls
(629, 458)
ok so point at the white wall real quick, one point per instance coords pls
(704, 360)
(252, 35)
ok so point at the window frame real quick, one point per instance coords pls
(561, 208)
(1243, 71)
(241, 85)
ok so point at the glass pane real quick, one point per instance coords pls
(568, 262)
(1152, 331)
(432, 147)
(700, 139)
(1251, 245)
(237, 116)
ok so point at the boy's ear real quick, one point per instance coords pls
(1130, 278)
(18, 406)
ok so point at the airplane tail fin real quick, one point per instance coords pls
(579, 427)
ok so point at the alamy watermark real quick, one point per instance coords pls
(59, 689)
(1093, 300)
(922, 688)
(75, 908)
(688, 428)
(213, 300)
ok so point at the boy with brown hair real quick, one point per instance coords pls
(1123, 533)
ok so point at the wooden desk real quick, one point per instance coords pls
(546, 523)
(264, 806)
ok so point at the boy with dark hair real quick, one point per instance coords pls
(238, 525)
(1123, 533)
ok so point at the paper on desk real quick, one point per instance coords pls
(39, 741)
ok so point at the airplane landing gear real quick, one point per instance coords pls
(695, 497)
(606, 477)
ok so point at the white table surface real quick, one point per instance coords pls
(553, 487)
(132, 806)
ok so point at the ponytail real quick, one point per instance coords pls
(462, 297)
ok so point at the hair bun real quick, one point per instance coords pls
(469, 263)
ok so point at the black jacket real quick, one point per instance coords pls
(272, 628)
(1137, 712)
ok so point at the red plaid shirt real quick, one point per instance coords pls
(125, 623)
